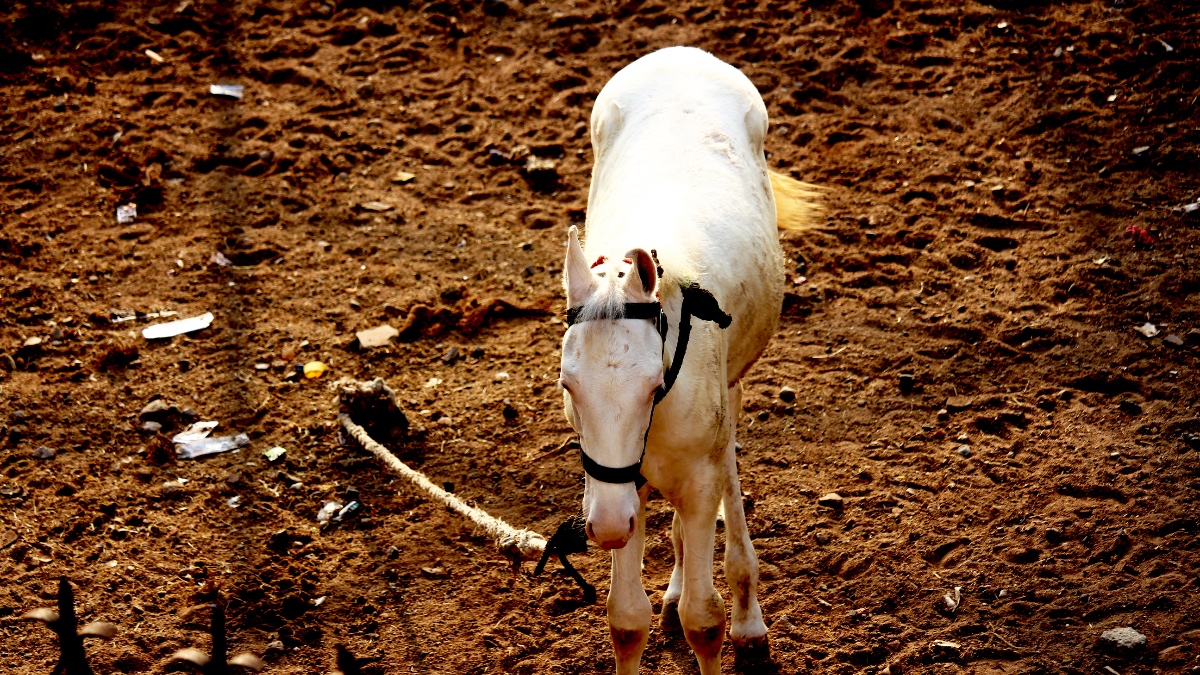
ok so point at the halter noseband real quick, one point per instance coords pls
(698, 303)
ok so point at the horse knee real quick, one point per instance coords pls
(628, 642)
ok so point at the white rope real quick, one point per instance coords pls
(508, 539)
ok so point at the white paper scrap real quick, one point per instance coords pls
(230, 90)
(173, 328)
(211, 446)
(197, 431)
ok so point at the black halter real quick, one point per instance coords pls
(698, 303)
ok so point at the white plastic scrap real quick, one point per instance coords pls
(230, 90)
(328, 511)
(212, 446)
(198, 431)
(952, 603)
(220, 260)
(173, 328)
(126, 214)
(1149, 330)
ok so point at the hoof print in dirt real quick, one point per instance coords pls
(218, 663)
(72, 659)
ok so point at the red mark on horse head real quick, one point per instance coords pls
(599, 261)
(627, 261)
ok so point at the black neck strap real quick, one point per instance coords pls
(698, 303)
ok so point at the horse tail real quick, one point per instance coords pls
(796, 203)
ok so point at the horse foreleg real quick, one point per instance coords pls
(747, 629)
(629, 610)
(669, 619)
(701, 609)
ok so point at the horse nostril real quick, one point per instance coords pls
(590, 533)
(632, 523)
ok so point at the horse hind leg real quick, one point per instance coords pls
(747, 628)
(668, 620)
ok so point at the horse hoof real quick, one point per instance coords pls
(669, 619)
(751, 652)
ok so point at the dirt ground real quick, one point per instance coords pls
(961, 328)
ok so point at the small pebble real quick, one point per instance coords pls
(965, 451)
(822, 537)
(832, 500)
(43, 452)
(1123, 639)
(393, 553)
(151, 426)
(787, 394)
(906, 383)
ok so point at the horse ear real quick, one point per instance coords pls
(642, 282)
(577, 276)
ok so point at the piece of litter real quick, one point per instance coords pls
(220, 260)
(173, 328)
(1166, 46)
(211, 446)
(1112, 97)
(319, 601)
(328, 511)
(946, 644)
(154, 56)
(376, 206)
(230, 90)
(274, 453)
(376, 337)
(151, 315)
(432, 382)
(952, 602)
(198, 431)
(314, 369)
(403, 177)
(1189, 208)
(232, 502)
(347, 511)
(126, 214)
(1141, 150)
(1149, 330)
(500, 376)
(1101, 260)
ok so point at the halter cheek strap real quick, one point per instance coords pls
(698, 303)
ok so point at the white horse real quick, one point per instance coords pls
(682, 219)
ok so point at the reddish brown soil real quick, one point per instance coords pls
(980, 187)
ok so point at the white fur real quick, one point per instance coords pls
(679, 168)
